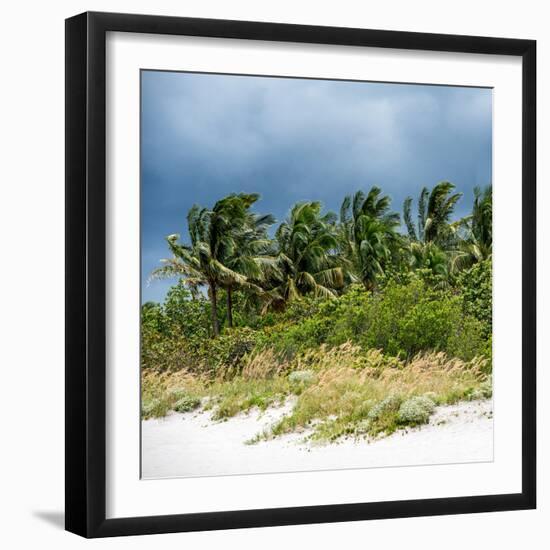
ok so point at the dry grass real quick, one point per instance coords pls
(263, 365)
(160, 393)
(324, 358)
(340, 391)
(340, 401)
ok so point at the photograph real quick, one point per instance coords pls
(316, 264)
(292, 275)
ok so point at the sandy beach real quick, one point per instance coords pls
(191, 444)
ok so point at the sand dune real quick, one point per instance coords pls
(191, 444)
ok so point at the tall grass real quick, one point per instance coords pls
(338, 391)
(163, 392)
(343, 398)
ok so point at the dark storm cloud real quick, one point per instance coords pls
(204, 136)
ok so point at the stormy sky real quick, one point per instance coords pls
(204, 136)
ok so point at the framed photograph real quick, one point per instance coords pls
(300, 274)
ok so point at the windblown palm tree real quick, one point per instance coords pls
(430, 256)
(482, 219)
(210, 260)
(307, 260)
(435, 209)
(477, 244)
(368, 234)
(253, 256)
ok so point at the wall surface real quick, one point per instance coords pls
(32, 248)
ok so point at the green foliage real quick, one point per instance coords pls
(153, 408)
(301, 379)
(153, 319)
(437, 325)
(223, 356)
(227, 248)
(389, 404)
(187, 316)
(435, 209)
(416, 410)
(368, 234)
(477, 293)
(306, 263)
(187, 403)
(467, 339)
(170, 332)
(240, 395)
(483, 391)
(401, 320)
(164, 352)
(289, 339)
(405, 319)
(382, 418)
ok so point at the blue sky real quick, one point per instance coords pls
(204, 136)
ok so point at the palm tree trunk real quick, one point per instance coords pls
(214, 309)
(229, 307)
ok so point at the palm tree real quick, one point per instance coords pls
(430, 256)
(435, 209)
(482, 219)
(477, 244)
(213, 242)
(307, 261)
(368, 234)
(253, 256)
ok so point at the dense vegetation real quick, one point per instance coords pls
(366, 321)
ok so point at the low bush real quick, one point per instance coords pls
(483, 391)
(301, 379)
(153, 408)
(187, 403)
(406, 318)
(229, 398)
(416, 410)
(477, 294)
(225, 356)
(288, 339)
(403, 320)
(163, 392)
(388, 405)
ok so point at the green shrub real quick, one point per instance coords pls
(224, 355)
(484, 390)
(476, 289)
(300, 379)
(350, 316)
(416, 410)
(408, 319)
(289, 339)
(402, 321)
(154, 408)
(428, 325)
(153, 319)
(240, 395)
(187, 403)
(466, 340)
(166, 353)
(390, 404)
(186, 316)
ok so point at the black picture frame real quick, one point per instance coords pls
(86, 280)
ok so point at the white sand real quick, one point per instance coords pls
(191, 444)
